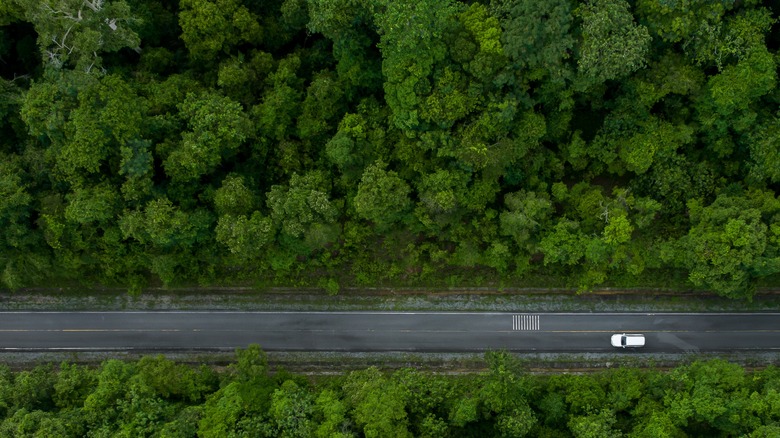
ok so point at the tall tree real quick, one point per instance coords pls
(377, 403)
(382, 196)
(725, 247)
(613, 45)
(411, 44)
(218, 126)
(71, 33)
(304, 212)
(211, 28)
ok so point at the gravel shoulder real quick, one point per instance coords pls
(454, 299)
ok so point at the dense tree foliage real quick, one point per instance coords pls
(157, 397)
(390, 141)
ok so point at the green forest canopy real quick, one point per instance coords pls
(155, 397)
(365, 142)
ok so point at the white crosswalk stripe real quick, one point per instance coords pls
(525, 322)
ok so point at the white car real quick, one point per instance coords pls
(623, 340)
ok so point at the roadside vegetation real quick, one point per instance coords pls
(157, 397)
(334, 143)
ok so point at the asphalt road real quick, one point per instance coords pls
(385, 331)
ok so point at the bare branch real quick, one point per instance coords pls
(605, 211)
(54, 59)
(95, 5)
(61, 44)
(63, 14)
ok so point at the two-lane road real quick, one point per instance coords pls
(385, 331)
